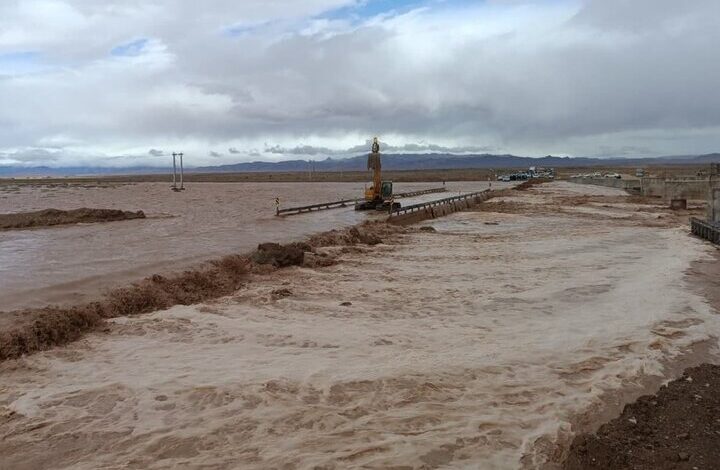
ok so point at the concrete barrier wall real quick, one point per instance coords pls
(414, 217)
(655, 187)
(688, 190)
(675, 189)
(627, 185)
(652, 187)
(440, 210)
(714, 205)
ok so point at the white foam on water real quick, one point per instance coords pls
(460, 350)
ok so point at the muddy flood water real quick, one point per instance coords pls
(476, 346)
(73, 263)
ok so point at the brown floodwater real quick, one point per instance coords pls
(76, 263)
(473, 346)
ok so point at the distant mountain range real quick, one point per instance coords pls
(429, 161)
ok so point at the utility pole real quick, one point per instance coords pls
(714, 196)
(174, 185)
(182, 186)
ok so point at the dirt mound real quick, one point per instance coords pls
(280, 256)
(217, 278)
(43, 328)
(50, 217)
(368, 233)
(40, 329)
(678, 428)
(530, 183)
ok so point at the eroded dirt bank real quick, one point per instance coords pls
(677, 428)
(30, 330)
(465, 346)
(52, 217)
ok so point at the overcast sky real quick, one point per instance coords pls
(118, 82)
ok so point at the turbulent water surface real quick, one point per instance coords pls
(466, 348)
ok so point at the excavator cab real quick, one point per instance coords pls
(386, 190)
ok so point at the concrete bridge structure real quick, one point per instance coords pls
(714, 195)
(691, 188)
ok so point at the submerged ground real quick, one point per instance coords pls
(482, 344)
(74, 263)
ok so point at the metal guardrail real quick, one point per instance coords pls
(345, 202)
(437, 202)
(315, 207)
(706, 230)
(421, 192)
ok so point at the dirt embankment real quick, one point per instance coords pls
(50, 217)
(678, 428)
(525, 185)
(650, 211)
(39, 329)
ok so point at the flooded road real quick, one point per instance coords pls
(471, 347)
(73, 264)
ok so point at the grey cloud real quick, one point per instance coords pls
(622, 151)
(30, 157)
(309, 150)
(156, 153)
(612, 75)
(300, 150)
(566, 86)
(423, 148)
(642, 16)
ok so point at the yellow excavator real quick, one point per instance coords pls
(379, 196)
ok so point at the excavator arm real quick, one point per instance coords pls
(379, 195)
(374, 164)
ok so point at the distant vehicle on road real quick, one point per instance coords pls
(533, 172)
